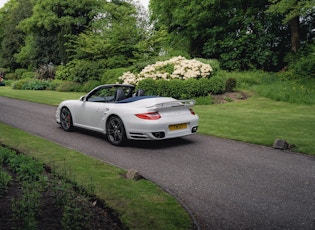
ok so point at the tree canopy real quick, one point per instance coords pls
(87, 37)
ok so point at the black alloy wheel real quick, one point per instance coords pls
(66, 119)
(115, 131)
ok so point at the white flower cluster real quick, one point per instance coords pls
(182, 69)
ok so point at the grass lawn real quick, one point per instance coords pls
(40, 96)
(260, 120)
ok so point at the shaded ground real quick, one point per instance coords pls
(229, 97)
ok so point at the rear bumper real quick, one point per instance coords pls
(159, 131)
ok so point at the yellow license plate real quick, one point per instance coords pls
(178, 126)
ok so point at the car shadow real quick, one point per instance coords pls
(142, 144)
(160, 144)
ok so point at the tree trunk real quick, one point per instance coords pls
(295, 34)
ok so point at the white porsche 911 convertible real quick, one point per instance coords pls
(121, 114)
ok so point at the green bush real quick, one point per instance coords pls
(81, 71)
(54, 84)
(303, 63)
(163, 88)
(20, 83)
(216, 85)
(88, 86)
(10, 76)
(26, 168)
(19, 73)
(28, 74)
(62, 73)
(214, 63)
(116, 62)
(110, 76)
(69, 86)
(230, 84)
(5, 179)
(182, 89)
(149, 86)
(35, 84)
(205, 100)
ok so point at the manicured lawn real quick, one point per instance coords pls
(40, 96)
(260, 120)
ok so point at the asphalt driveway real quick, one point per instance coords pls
(224, 184)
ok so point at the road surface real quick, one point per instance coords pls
(224, 184)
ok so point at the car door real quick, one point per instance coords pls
(94, 107)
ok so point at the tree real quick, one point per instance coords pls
(239, 33)
(11, 38)
(115, 34)
(293, 11)
(113, 40)
(50, 25)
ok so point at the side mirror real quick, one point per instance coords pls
(82, 98)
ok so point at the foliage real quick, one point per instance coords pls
(36, 84)
(110, 76)
(20, 83)
(291, 9)
(230, 84)
(295, 14)
(180, 89)
(115, 36)
(30, 84)
(89, 85)
(54, 84)
(46, 72)
(19, 73)
(302, 64)
(71, 204)
(10, 76)
(214, 63)
(5, 179)
(48, 29)
(149, 86)
(28, 74)
(242, 35)
(69, 86)
(25, 209)
(26, 168)
(205, 100)
(80, 71)
(12, 38)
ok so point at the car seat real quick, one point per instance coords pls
(140, 92)
(119, 95)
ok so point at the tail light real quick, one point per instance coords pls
(192, 112)
(149, 116)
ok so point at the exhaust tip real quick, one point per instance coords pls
(194, 129)
(158, 134)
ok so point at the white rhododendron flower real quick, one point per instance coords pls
(174, 68)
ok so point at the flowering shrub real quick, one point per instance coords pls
(174, 68)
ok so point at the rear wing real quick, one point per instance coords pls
(173, 104)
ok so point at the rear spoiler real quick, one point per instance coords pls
(173, 104)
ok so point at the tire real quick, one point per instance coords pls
(66, 119)
(115, 131)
